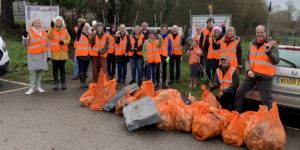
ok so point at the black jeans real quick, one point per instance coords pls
(211, 67)
(227, 100)
(111, 65)
(164, 70)
(263, 85)
(59, 65)
(83, 65)
(175, 59)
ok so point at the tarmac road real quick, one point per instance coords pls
(56, 121)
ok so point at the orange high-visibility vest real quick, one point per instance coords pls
(230, 50)
(197, 37)
(212, 53)
(194, 58)
(37, 44)
(58, 36)
(121, 47)
(140, 43)
(205, 33)
(225, 80)
(152, 51)
(164, 47)
(83, 46)
(99, 44)
(176, 44)
(260, 62)
(112, 43)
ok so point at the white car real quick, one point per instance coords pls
(286, 83)
(4, 59)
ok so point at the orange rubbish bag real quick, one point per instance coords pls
(105, 90)
(222, 114)
(248, 118)
(266, 130)
(87, 97)
(205, 124)
(209, 97)
(147, 89)
(125, 100)
(183, 118)
(234, 133)
(167, 114)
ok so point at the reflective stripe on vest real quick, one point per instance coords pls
(83, 46)
(230, 50)
(112, 43)
(37, 44)
(121, 47)
(152, 51)
(176, 45)
(260, 61)
(58, 36)
(99, 44)
(164, 47)
(226, 80)
(140, 43)
(212, 53)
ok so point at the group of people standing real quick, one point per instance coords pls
(214, 54)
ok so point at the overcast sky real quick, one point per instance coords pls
(283, 3)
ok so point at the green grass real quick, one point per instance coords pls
(18, 62)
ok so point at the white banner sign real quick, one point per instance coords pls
(200, 20)
(44, 13)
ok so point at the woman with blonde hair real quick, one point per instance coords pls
(36, 41)
(59, 40)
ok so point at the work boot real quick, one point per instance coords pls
(191, 83)
(195, 83)
(55, 77)
(63, 81)
(75, 77)
(132, 81)
(171, 82)
(82, 81)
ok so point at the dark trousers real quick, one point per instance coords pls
(83, 65)
(136, 65)
(211, 67)
(263, 85)
(175, 60)
(200, 71)
(227, 100)
(122, 71)
(164, 70)
(194, 68)
(151, 72)
(59, 65)
(111, 65)
(98, 63)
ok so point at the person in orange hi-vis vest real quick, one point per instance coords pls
(110, 59)
(83, 52)
(136, 55)
(38, 53)
(231, 46)
(165, 53)
(213, 53)
(226, 82)
(198, 33)
(73, 37)
(177, 42)
(151, 56)
(59, 40)
(121, 50)
(100, 45)
(194, 54)
(263, 56)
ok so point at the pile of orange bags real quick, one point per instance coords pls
(266, 130)
(99, 94)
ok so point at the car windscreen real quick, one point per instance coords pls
(289, 58)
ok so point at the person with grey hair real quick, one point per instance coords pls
(100, 45)
(263, 56)
(59, 40)
(38, 53)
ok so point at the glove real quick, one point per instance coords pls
(167, 60)
(52, 24)
(48, 59)
(220, 94)
(61, 43)
(25, 34)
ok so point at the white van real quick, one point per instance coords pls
(4, 59)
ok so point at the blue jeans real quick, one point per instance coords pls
(151, 72)
(122, 71)
(175, 59)
(136, 65)
(75, 67)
